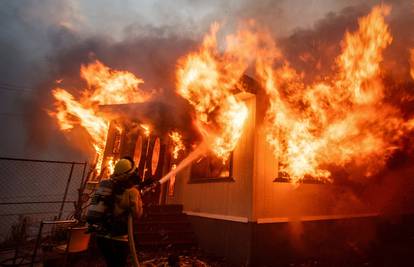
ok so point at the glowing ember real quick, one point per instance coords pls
(110, 164)
(105, 86)
(177, 144)
(146, 128)
(341, 121)
(207, 78)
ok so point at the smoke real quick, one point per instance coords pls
(38, 49)
(313, 50)
(152, 59)
(45, 41)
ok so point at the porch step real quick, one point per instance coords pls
(164, 226)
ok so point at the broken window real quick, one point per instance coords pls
(283, 177)
(212, 169)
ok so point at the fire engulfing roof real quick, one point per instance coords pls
(162, 117)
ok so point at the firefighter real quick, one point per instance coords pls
(121, 198)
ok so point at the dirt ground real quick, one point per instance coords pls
(149, 258)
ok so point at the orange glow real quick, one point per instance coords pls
(412, 63)
(177, 144)
(105, 87)
(340, 121)
(110, 164)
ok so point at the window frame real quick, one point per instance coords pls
(201, 180)
(284, 178)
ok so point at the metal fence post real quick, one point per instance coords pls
(37, 244)
(83, 174)
(39, 203)
(20, 241)
(66, 191)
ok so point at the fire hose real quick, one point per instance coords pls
(131, 241)
(148, 188)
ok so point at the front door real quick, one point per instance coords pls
(149, 155)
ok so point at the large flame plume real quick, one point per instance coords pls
(178, 147)
(177, 144)
(104, 87)
(208, 78)
(341, 120)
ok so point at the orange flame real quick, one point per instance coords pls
(70, 112)
(108, 86)
(147, 129)
(105, 86)
(111, 164)
(207, 79)
(341, 120)
(362, 55)
(177, 144)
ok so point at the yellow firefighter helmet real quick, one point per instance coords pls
(123, 168)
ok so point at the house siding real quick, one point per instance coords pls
(224, 198)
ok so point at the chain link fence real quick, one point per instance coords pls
(35, 190)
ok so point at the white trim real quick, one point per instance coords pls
(315, 218)
(218, 216)
(281, 219)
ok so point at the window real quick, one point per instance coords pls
(283, 177)
(212, 169)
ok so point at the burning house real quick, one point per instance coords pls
(263, 167)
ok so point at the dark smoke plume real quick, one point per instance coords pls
(151, 51)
